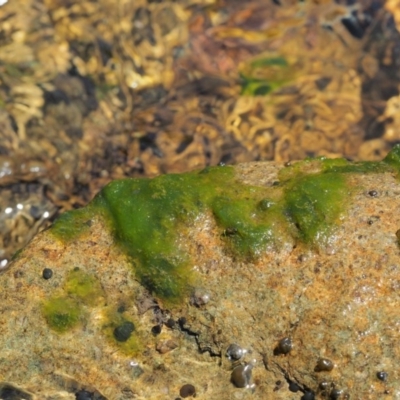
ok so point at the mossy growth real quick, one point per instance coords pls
(146, 215)
(62, 313)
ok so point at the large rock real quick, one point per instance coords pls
(309, 294)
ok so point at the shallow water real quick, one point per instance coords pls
(91, 92)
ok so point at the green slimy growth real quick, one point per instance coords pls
(83, 286)
(62, 313)
(147, 215)
(250, 223)
(314, 203)
(72, 224)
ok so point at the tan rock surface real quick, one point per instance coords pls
(340, 304)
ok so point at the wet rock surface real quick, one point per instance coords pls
(295, 323)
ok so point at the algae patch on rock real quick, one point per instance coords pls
(121, 332)
(329, 304)
(83, 286)
(146, 215)
(62, 313)
(64, 310)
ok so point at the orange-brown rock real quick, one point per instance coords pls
(305, 323)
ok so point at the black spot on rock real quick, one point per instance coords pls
(308, 396)
(156, 329)
(123, 332)
(294, 387)
(170, 323)
(47, 273)
(84, 395)
(121, 309)
(335, 394)
(234, 352)
(382, 375)
(10, 392)
(182, 321)
(324, 385)
(324, 364)
(187, 390)
(285, 345)
(322, 83)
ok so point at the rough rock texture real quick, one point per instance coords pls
(337, 307)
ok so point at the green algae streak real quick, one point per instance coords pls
(146, 215)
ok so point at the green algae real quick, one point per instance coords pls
(393, 159)
(147, 215)
(314, 203)
(72, 224)
(17, 254)
(83, 286)
(265, 74)
(250, 226)
(62, 313)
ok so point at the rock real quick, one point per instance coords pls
(297, 267)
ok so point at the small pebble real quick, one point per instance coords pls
(187, 390)
(241, 375)
(123, 332)
(285, 345)
(199, 298)
(47, 273)
(83, 395)
(170, 323)
(324, 364)
(35, 212)
(234, 352)
(308, 396)
(121, 309)
(166, 346)
(182, 322)
(373, 193)
(335, 394)
(294, 387)
(324, 385)
(156, 330)
(230, 232)
(265, 204)
(382, 375)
